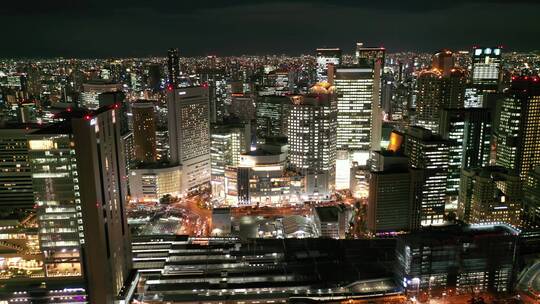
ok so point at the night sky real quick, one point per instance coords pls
(124, 28)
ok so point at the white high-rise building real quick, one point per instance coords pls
(312, 138)
(486, 66)
(357, 98)
(189, 134)
(90, 92)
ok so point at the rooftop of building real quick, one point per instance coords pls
(64, 126)
(14, 127)
(459, 230)
(425, 135)
(276, 140)
(265, 266)
(260, 152)
(157, 165)
(529, 85)
(493, 172)
(100, 82)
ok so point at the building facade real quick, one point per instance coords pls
(312, 139)
(189, 134)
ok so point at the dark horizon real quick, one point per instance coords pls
(137, 28)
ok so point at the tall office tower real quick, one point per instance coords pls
(453, 88)
(217, 87)
(80, 192)
(189, 134)
(173, 68)
(312, 138)
(428, 99)
(154, 77)
(144, 131)
(486, 68)
(326, 57)
(369, 55)
(279, 82)
(89, 97)
(243, 106)
(489, 195)
(429, 158)
(401, 103)
(390, 206)
(374, 57)
(519, 127)
(228, 141)
(470, 129)
(15, 176)
(436, 92)
(356, 102)
(272, 115)
(531, 201)
(388, 86)
(118, 100)
(33, 72)
(444, 61)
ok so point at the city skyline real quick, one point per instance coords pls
(268, 152)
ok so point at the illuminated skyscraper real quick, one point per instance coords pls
(470, 129)
(80, 192)
(272, 115)
(144, 131)
(173, 68)
(390, 207)
(356, 101)
(434, 92)
(453, 88)
(486, 68)
(312, 138)
(444, 62)
(374, 57)
(189, 134)
(370, 55)
(324, 58)
(428, 98)
(91, 91)
(519, 127)
(485, 77)
(429, 158)
(15, 175)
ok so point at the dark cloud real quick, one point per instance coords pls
(100, 28)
